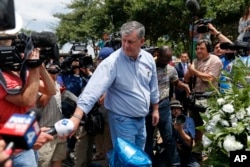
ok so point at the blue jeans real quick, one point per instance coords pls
(27, 158)
(130, 129)
(165, 129)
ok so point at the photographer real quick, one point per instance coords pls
(184, 133)
(20, 102)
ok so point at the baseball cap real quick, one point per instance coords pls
(175, 104)
(105, 52)
(18, 23)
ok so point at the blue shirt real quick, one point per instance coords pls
(189, 128)
(130, 85)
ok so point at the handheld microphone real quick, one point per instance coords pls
(22, 129)
(61, 128)
(193, 6)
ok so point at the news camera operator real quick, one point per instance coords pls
(21, 101)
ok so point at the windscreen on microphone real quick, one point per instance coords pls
(193, 6)
(61, 128)
(43, 39)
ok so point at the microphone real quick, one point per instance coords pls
(43, 39)
(61, 128)
(193, 6)
(21, 129)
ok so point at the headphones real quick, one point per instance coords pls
(207, 43)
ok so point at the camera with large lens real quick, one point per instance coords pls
(203, 25)
(180, 119)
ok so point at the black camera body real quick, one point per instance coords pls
(114, 41)
(203, 25)
(77, 53)
(180, 119)
(10, 56)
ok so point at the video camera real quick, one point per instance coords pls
(114, 41)
(7, 15)
(237, 45)
(10, 56)
(203, 25)
(240, 47)
(77, 53)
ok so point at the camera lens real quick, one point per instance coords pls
(181, 119)
(202, 29)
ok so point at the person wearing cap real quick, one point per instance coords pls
(184, 134)
(128, 77)
(25, 96)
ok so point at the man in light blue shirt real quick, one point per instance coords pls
(129, 78)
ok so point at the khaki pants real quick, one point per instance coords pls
(54, 150)
(83, 148)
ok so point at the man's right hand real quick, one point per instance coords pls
(34, 55)
(76, 119)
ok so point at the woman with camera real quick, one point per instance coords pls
(184, 134)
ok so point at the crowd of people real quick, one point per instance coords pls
(137, 95)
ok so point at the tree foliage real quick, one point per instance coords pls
(88, 19)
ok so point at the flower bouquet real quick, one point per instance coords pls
(227, 118)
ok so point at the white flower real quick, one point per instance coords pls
(210, 127)
(206, 141)
(230, 144)
(224, 122)
(241, 114)
(248, 110)
(235, 124)
(228, 108)
(232, 116)
(221, 101)
(216, 118)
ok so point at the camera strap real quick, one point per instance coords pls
(4, 84)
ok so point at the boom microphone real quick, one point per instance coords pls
(22, 129)
(62, 128)
(193, 6)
